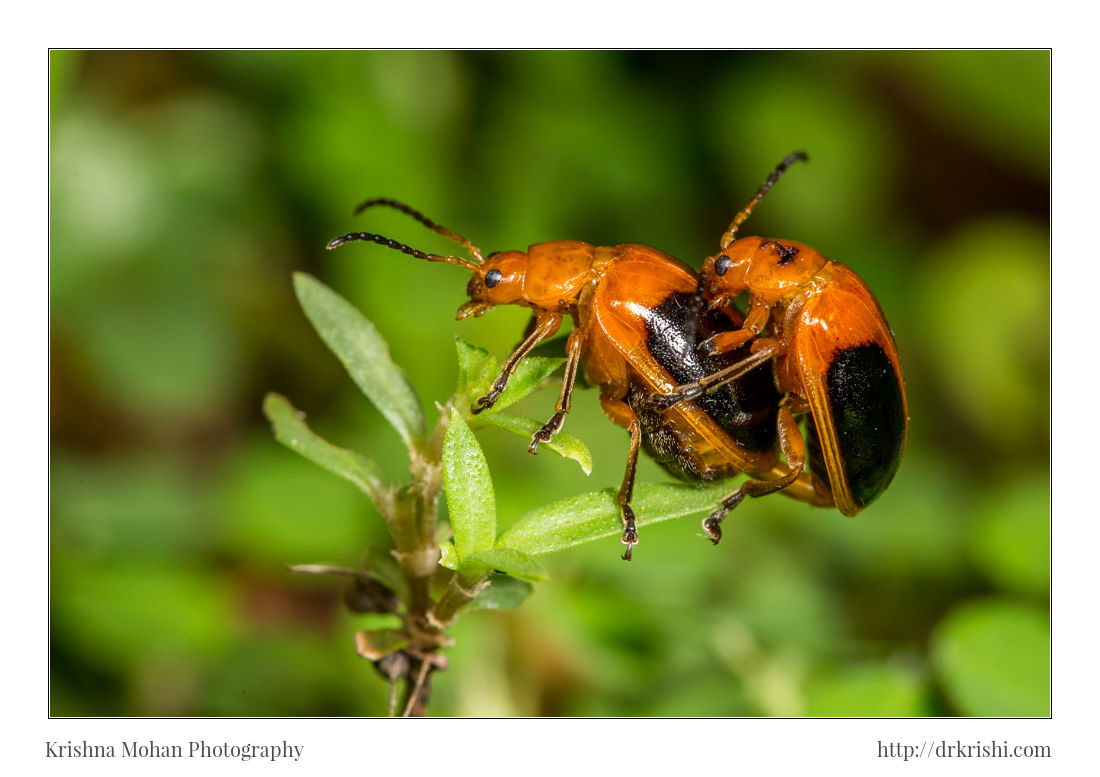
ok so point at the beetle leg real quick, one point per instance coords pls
(809, 487)
(724, 342)
(544, 325)
(793, 445)
(716, 380)
(572, 362)
(623, 415)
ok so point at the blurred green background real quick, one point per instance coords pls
(187, 186)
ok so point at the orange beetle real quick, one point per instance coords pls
(638, 318)
(835, 359)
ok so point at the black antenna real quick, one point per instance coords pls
(475, 252)
(382, 240)
(739, 219)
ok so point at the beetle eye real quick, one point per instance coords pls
(721, 265)
(492, 278)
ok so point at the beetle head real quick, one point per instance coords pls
(767, 269)
(499, 281)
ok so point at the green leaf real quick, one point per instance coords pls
(564, 443)
(291, 430)
(993, 658)
(448, 558)
(503, 593)
(469, 490)
(477, 370)
(529, 375)
(365, 355)
(512, 562)
(595, 515)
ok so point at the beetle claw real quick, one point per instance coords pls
(630, 532)
(708, 347)
(546, 432)
(683, 394)
(630, 539)
(486, 402)
(712, 525)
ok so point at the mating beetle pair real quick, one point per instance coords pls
(709, 392)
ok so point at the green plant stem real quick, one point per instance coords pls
(459, 593)
(413, 521)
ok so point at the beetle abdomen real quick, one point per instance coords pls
(868, 414)
(676, 445)
(745, 408)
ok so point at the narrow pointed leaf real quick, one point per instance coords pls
(564, 444)
(365, 355)
(503, 593)
(512, 562)
(448, 558)
(477, 370)
(595, 515)
(469, 490)
(528, 376)
(291, 430)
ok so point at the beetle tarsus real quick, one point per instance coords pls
(547, 432)
(630, 532)
(487, 401)
(665, 401)
(712, 525)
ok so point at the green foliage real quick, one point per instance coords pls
(505, 593)
(364, 354)
(512, 562)
(476, 372)
(291, 430)
(594, 516)
(469, 491)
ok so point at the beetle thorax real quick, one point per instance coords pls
(556, 273)
(776, 268)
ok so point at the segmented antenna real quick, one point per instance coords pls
(382, 240)
(475, 252)
(739, 219)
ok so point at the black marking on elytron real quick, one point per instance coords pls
(722, 265)
(745, 408)
(492, 278)
(786, 253)
(868, 413)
